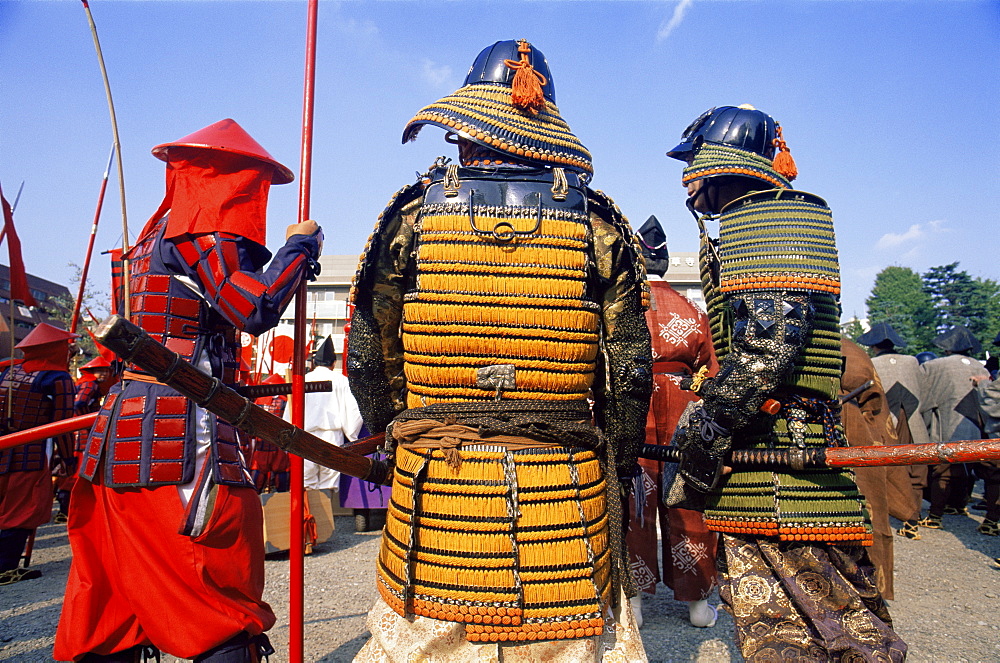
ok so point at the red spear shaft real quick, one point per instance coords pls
(296, 571)
(90, 245)
(61, 427)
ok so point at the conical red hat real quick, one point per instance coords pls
(274, 378)
(96, 362)
(45, 333)
(227, 136)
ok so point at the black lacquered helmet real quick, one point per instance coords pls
(491, 66)
(742, 127)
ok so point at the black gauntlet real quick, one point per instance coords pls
(704, 445)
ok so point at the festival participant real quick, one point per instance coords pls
(166, 527)
(682, 348)
(868, 421)
(903, 381)
(952, 412)
(494, 298)
(795, 574)
(331, 415)
(989, 400)
(89, 394)
(36, 391)
(269, 464)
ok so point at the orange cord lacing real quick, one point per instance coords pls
(526, 88)
(783, 162)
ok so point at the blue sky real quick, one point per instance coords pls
(890, 108)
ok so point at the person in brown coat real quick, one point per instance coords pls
(867, 421)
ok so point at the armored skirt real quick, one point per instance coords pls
(504, 545)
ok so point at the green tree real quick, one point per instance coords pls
(899, 298)
(95, 302)
(852, 329)
(960, 299)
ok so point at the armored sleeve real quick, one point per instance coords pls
(621, 408)
(86, 395)
(769, 332)
(375, 343)
(778, 287)
(223, 266)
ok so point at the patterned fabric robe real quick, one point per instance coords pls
(682, 344)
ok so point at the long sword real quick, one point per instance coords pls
(962, 451)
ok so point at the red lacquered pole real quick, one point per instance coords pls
(296, 571)
(81, 422)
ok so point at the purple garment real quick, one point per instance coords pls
(358, 494)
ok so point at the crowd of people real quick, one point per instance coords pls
(515, 340)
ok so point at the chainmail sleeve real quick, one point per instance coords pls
(769, 332)
(374, 345)
(622, 404)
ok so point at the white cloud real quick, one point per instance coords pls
(437, 75)
(675, 20)
(362, 29)
(915, 234)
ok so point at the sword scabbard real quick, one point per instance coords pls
(136, 346)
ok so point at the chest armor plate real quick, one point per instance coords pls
(145, 433)
(501, 307)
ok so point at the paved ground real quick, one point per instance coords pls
(947, 606)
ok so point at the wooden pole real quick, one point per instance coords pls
(90, 246)
(118, 149)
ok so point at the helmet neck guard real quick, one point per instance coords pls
(507, 105)
(712, 160)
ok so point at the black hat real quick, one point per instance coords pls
(958, 340)
(880, 332)
(925, 356)
(653, 240)
(325, 355)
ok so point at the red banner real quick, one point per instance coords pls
(18, 277)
